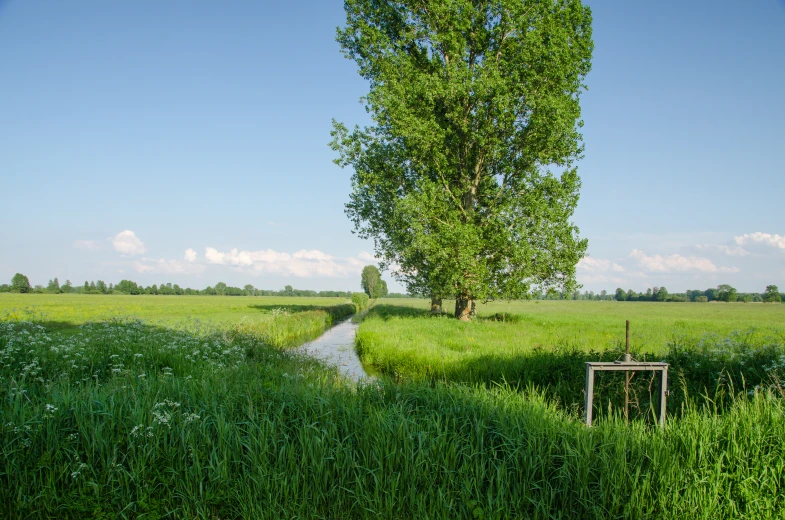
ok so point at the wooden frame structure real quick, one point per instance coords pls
(628, 366)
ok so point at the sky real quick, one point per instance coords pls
(187, 142)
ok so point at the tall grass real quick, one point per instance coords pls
(126, 420)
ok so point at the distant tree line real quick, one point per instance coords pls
(21, 284)
(722, 293)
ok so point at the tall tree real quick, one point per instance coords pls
(371, 281)
(467, 179)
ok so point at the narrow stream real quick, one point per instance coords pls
(336, 348)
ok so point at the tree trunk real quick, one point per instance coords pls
(436, 304)
(463, 308)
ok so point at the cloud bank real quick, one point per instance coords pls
(766, 239)
(305, 263)
(677, 263)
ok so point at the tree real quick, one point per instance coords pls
(127, 287)
(772, 294)
(20, 284)
(53, 286)
(371, 281)
(220, 288)
(726, 293)
(385, 291)
(661, 294)
(620, 294)
(66, 287)
(467, 180)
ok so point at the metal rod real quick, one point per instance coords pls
(663, 391)
(589, 399)
(627, 375)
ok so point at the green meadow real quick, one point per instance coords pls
(75, 309)
(198, 407)
(546, 344)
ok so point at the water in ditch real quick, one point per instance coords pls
(336, 348)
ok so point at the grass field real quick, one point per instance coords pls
(74, 309)
(167, 419)
(546, 343)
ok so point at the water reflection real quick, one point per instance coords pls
(336, 348)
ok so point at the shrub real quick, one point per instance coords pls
(360, 301)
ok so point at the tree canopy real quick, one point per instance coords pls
(371, 282)
(20, 284)
(466, 181)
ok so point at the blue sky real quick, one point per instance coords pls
(186, 141)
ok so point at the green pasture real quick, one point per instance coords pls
(74, 309)
(546, 344)
(584, 325)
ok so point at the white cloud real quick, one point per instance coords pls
(767, 239)
(162, 266)
(724, 249)
(127, 243)
(190, 255)
(598, 265)
(366, 256)
(677, 263)
(86, 244)
(303, 263)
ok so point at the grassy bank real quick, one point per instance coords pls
(128, 420)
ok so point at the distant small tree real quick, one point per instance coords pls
(66, 287)
(772, 294)
(385, 291)
(53, 286)
(701, 299)
(620, 295)
(661, 295)
(20, 284)
(220, 288)
(249, 290)
(100, 287)
(5, 288)
(360, 301)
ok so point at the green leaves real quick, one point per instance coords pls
(473, 103)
